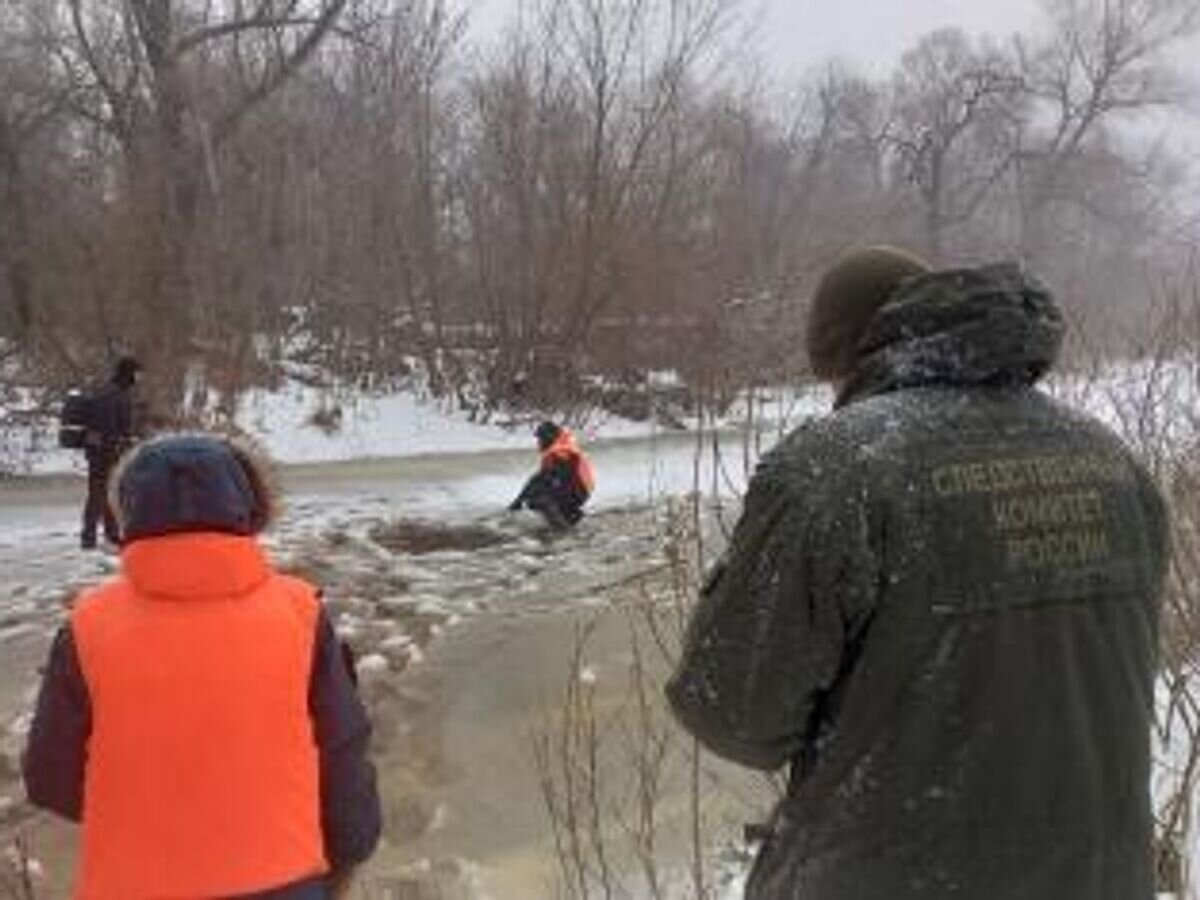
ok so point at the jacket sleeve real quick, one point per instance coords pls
(768, 638)
(56, 753)
(350, 810)
(531, 487)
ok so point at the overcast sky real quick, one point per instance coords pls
(792, 37)
(796, 35)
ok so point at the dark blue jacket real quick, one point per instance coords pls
(110, 419)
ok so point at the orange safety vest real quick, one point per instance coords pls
(202, 767)
(566, 448)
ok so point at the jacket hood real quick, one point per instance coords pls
(195, 566)
(991, 326)
(192, 483)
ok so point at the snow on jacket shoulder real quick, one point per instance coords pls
(940, 608)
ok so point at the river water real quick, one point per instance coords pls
(464, 651)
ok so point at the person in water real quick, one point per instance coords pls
(563, 482)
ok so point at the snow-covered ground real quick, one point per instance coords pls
(377, 426)
(1155, 405)
(1137, 399)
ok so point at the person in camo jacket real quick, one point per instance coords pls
(197, 714)
(939, 610)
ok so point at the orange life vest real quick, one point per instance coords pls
(566, 448)
(202, 769)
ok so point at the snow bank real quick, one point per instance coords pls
(388, 426)
(28, 440)
(1140, 400)
(396, 425)
(368, 427)
(1155, 404)
(404, 425)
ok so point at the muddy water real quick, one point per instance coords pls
(468, 649)
(474, 822)
(40, 562)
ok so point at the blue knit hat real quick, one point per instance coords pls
(187, 483)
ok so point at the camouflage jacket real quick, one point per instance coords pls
(940, 609)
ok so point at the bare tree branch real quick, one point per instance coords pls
(228, 29)
(325, 23)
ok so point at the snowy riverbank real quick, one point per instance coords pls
(379, 426)
(1135, 398)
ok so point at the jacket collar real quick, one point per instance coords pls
(195, 565)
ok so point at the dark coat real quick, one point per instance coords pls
(557, 490)
(940, 609)
(55, 758)
(110, 419)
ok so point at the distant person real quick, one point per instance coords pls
(108, 432)
(940, 609)
(197, 713)
(563, 482)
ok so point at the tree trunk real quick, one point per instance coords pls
(14, 235)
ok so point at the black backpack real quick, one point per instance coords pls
(75, 419)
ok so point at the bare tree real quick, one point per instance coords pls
(954, 108)
(221, 182)
(30, 100)
(1104, 59)
(580, 160)
(143, 71)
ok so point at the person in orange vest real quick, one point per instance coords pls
(198, 714)
(564, 481)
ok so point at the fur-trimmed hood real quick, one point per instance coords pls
(190, 482)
